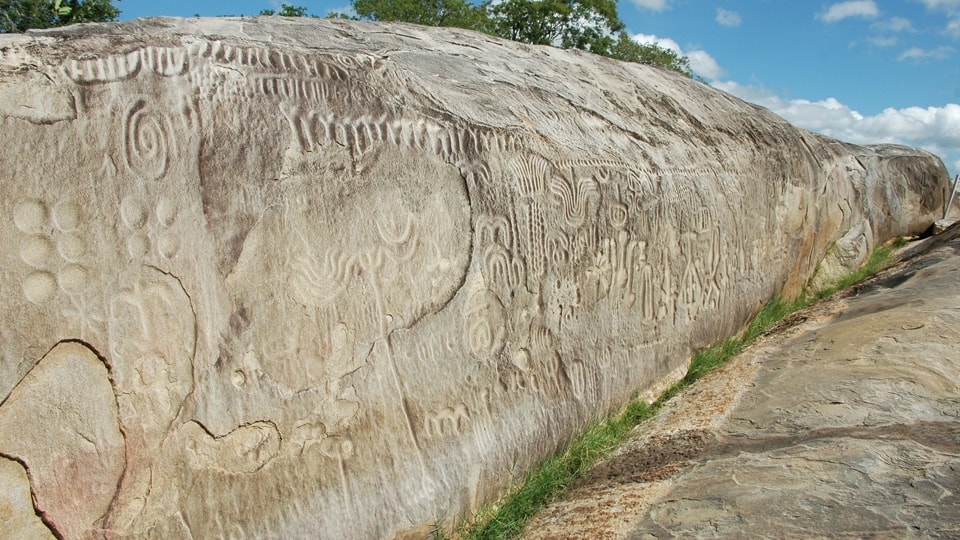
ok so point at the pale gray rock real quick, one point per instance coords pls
(842, 424)
(327, 278)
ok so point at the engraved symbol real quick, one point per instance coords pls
(448, 421)
(575, 198)
(66, 216)
(39, 287)
(485, 324)
(340, 449)
(147, 233)
(30, 216)
(148, 142)
(38, 250)
(618, 215)
(71, 247)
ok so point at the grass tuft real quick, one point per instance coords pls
(877, 260)
(557, 474)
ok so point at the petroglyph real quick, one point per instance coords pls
(366, 274)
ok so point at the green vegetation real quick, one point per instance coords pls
(877, 260)
(628, 50)
(286, 10)
(588, 25)
(21, 15)
(507, 518)
(557, 474)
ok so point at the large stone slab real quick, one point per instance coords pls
(343, 279)
(841, 424)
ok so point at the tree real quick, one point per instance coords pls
(451, 13)
(287, 10)
(628, 50)
(21, 15)
(587, 25)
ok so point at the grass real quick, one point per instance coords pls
(557, 474)
(877, 260)
(508, 517)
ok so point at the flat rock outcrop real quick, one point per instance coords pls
(298, 278)
(842, 424)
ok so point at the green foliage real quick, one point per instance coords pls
(451, 13)
(569, 24)
(287, 10)
(877, 260)
(588, 25)
(21, 15)
(628, 50)
(555, 475)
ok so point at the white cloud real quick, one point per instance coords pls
(654, 5)
(883, 41)
(345, 10)
(918, 54)
(894, 24)
(701, 62)
(935, 129)
(666, 43)
(942, 4)
(728, 18)
(953, 27)
(842, 10)
(704, 65)
(952, 9)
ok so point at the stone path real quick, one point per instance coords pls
(841, 423)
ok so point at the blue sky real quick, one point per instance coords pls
(863, 71)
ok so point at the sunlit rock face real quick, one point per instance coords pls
(300, 278)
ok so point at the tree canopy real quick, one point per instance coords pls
(569, 24)
(628, 50)
(21, 15)
(286, 10)
(451, 13)
(589, 25)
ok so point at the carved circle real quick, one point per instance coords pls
(168, 245)
(337, 447)
(618, 215)
(71, 247)
(30, 216)
(39, 287)
(36, 250)
(148, 141)
(66, 216)
(73, 279)
(138, 245)
(166, 212)
(133, 213)
(346, 448)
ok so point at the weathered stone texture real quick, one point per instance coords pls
(274, 277)
(841, 424)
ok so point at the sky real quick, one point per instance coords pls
(862, 71)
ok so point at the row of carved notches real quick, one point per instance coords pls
(174, 61)
(165, 61)
(312, 129)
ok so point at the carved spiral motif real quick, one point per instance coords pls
(149, 140)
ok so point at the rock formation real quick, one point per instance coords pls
(298, 278)
(841, 424)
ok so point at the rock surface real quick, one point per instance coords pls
(298, 278)
(846, 424)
